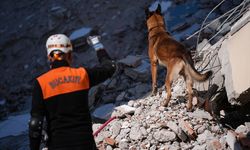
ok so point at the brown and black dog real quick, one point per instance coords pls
(172, 54)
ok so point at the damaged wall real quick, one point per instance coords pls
(234, 55)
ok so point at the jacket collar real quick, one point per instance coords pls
(57, 64)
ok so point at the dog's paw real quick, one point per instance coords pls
(189, 108)
(164, 104)
(153, 93)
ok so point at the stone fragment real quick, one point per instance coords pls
(214, 145)
(109, 141)
(207, 135)
(198, 113)
(125, 109)
(199, 147)
(108, 147)
(132, 61)
(232, 141)
(164, 135)
(115, 129)
(247, 124)
(135, 132)
(241, 129)
(124, 144)
(140, 73)
(244, 140)
(187, 128)
(177, 130)
(103, 112)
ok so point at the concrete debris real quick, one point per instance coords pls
(109, 141)
(241, 129)
(140, 73)
(123, 144)
(232, 141)
(123, 110)
(186, 127)
(79, 33)
(198, 113)
(247, 124)
(173, 128)
(104, 112)
(164, 135)
(177, 130)
(135, 132)
(214, 145)
(115, 129)
(132, 61)
(237, 83)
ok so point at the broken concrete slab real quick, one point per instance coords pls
(177, 130)
(140, 73)
(232, 141)
(104, 112)
(237, 81)
(79, 33)
(187, 128)
(214, 145)
(124, 110)
(247, 124)
(164, 135)
(135, 132)
(205, 136)
(130, 60)
(198, 113)
(240, 23)
(109, 141)
(241, 129)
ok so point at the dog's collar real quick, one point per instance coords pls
(153, 34)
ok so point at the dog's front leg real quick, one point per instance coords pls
(154, 76)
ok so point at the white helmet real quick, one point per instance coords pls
(58, 42)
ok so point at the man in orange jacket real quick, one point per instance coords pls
(61, 97)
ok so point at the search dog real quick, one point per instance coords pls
(165, 50)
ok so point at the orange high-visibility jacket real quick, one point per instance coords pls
(61, 96)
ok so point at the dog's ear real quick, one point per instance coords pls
(147, 12)
(158, 9)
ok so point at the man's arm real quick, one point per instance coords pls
(37, 116)
(100, 73)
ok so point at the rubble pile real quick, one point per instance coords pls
(145, 124)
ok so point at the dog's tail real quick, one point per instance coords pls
(195, 74)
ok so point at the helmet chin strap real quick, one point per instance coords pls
(59, 57)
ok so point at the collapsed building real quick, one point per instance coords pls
(227, 56)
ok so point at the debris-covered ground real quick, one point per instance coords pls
(145, 124)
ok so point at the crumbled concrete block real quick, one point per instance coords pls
(214, 145)
(109, 141)
(186, 127)
(232, 141)
(177, 130)
(132, 61)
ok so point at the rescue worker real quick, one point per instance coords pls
(61, 97)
